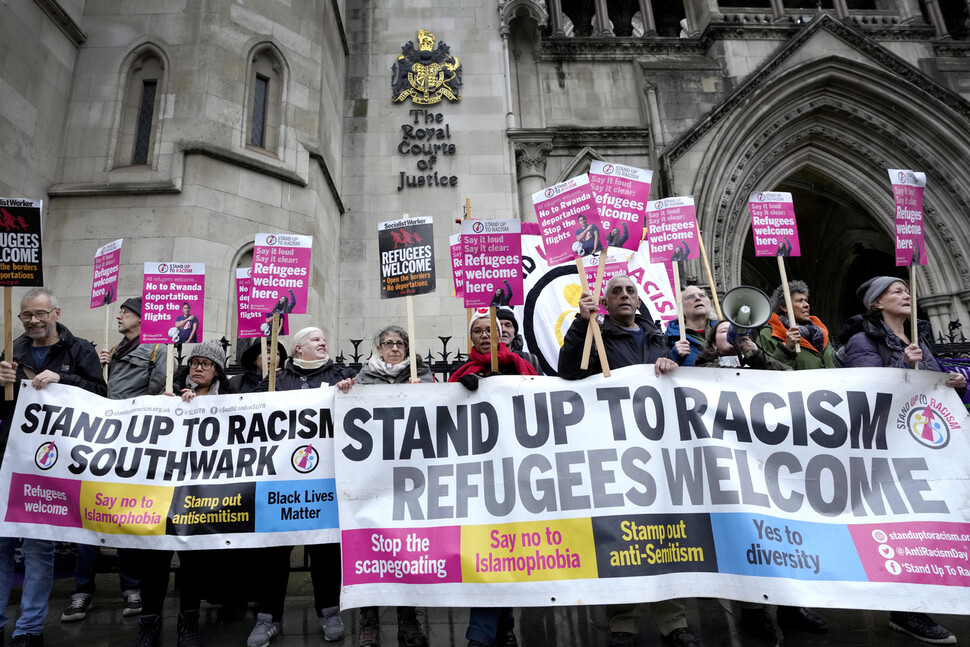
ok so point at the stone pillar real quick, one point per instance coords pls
(603, 17)
(509, 110)
(555, 17)
(530, 167)
(649, 23)
(936, 18)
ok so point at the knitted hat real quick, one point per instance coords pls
(507, 315)
(210, 349)
(134, 305)
(251, 348)
(477, 313)
(301, 336)
(873, 289)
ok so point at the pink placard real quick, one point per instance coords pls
(569, 220)
(454, 245)
(492, 262)
(908, 189)
(281, 273)
(621, 194)
(773, 224)
(672, 230)
(401, 555)
(252, 323)
(107, 263)
(173, 297)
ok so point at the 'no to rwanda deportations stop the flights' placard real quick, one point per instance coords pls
(157, 472)
(834, 488)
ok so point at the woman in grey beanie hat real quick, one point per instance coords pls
(206, 372)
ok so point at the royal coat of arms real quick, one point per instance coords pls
(425, 74)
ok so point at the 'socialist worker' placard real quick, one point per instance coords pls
(407, 257)
(281, 273)
(174, 295)
(107, 263)
(20, 247)
(492, 262)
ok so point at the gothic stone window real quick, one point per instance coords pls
(264, 100)
(139, 116)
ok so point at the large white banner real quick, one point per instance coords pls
(156, 472)
(835, 488)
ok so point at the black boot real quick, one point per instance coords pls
(149, 630)
(188, 629)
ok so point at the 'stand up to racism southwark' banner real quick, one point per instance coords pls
(621, 193)
(21, 253)
(174, 298)
(281, 274)
(407, 257)
(157, 472)
(491, 263)
(845, 489)
(908, 189)
(773, 224)
(107, 266)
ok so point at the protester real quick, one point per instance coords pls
(780, 337)
(134, 369)
(696, 306)
(718, 350)
(205, 375)
(309, 367)
(629, 338)
(251, 360)
(509, 333)
(187, 325)
(883, 337)
(488, 626)
(47, 353)
(391, 365)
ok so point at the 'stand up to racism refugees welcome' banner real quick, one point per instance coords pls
(621, 193)
(491, 263)
(157, 472)
(842, 489)
(281, 274)
(773, 224)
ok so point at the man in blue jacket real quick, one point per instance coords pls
(696, 306)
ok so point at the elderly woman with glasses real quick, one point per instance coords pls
(391, 365)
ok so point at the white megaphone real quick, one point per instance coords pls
(747, 309)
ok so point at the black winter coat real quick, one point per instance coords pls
(621, 347)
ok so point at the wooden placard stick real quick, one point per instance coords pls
(784, 285)
(8, 335)
(170, 371)
(494, 337)
(913, 331)
(264, 357)
(107, 324)
(411, 357)
(597, 337)
(680, 307)
(273, 340)
(597, 290)
(710, 276)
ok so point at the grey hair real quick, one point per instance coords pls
(33, 293)
(379, 338)
(778, 296)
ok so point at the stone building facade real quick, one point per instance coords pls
(187, 126)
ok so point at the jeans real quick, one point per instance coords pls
(38, 576)
(86, 569)
(484, 623)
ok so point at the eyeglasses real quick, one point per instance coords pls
(203, 364)
(41, 315)
(478, 332)
(392, 344)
